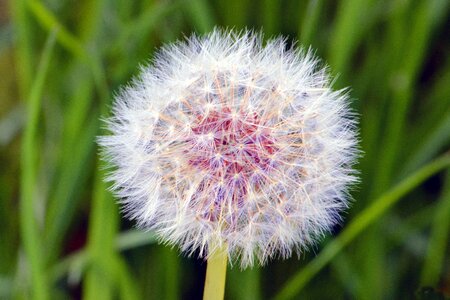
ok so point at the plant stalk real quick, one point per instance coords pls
(216, 271)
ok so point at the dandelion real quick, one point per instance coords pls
(225, 144)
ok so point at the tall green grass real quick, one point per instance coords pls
(62, 234)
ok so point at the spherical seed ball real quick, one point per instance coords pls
(226, 141)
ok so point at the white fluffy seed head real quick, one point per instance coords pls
(226, 141)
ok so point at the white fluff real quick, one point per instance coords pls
(224, 140)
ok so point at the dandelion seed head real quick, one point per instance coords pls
(224, 140)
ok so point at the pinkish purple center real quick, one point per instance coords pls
(235, 150)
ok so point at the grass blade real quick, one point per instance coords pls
(200, 15)
(72, 44)
(309, 25)
(438, 243)
(103, 228)
(24, 56)
(29, 160)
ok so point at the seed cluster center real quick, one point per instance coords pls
(234, 147)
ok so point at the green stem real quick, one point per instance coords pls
(215, 275)
(364, 219)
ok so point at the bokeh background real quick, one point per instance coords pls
(61, 233)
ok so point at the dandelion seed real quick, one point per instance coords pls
(226, 141)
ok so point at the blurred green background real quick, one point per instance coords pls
(61, 235)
